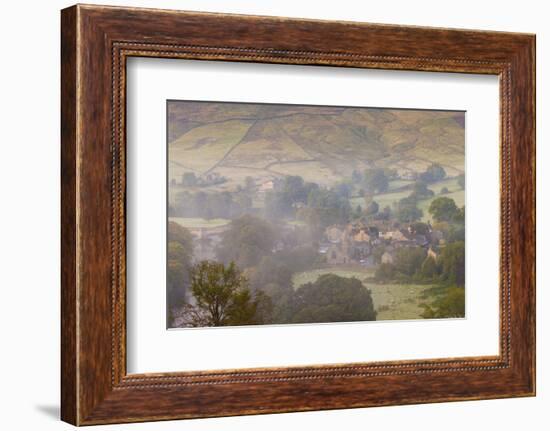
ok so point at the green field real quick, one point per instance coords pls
(398, 301)
(391, 198)
(455, 193)
(397, 184)
(195, 223)
(392, 301)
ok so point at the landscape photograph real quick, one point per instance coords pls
(284, 214)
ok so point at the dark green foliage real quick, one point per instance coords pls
(272, 271)
(273, 277)
(443, 209)
(282, 300)
(421, 190)
(278, 205)
(372, 208)
(333, 299)
(179, 257)
(453, 264)
(343, 189)
(461, 181)
(408, 260)
(407, 211)
(328, 207)
(246, 241)
(451, 304)
(460, 215)
(189, 179)
(375, 180)
(281, 202)
(264, 308)
(298, 259)
(429, 269)
(444, 191)
(385, 272)
(293, 187)
(385, 214)
(222, 296)
(434, 173)
(456, 232)
(420, 228)
(378, 252)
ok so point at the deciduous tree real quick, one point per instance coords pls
(443, 209)
(332, 298)
(221, 295)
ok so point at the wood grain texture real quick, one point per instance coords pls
(96, 41)
(69, 397)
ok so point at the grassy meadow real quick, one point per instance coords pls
(391, 301)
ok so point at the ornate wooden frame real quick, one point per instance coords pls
(96, 41)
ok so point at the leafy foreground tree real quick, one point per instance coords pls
(222, 297)
(333, 299)
(180, 255)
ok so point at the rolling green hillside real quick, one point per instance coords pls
(322, 144)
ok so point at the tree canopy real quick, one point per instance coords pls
(433, 173)
(222, 296)
(407, 211)
(179, 258)
(461, 181)
(453, 263)
(246, 241)
(451, 304)
(332, 298)
(421, 190)
(443, 209)
(375, 180)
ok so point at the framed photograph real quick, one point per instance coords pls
(267, 215)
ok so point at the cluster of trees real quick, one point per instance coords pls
(252, 283)
(189, 179)
(179, 262)
(246, 241)
(407, 210)
(291, 193)
(433, 173)
(413, 265)
(461, 181)
(451, 304)
(211, 205)
(223, 298)
(324, 208)
(318, 207)
(372, 180)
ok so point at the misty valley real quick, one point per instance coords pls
(288, 214)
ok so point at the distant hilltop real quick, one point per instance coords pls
(321, 144)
